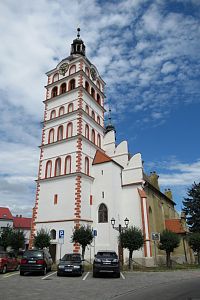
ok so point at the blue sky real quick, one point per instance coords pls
(147, 53)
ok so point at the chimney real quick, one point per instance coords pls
(16, 216)
(153, 177)
(20, 216)
(168, 193)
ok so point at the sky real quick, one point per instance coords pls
(148, 54)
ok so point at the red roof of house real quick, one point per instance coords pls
(101, 157)
(5, 213)
(174, 225)
(21, 222)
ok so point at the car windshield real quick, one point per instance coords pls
(107, 254)
(71, 257)
(28, 254)
(3, 255)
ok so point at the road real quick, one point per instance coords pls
(184, 285)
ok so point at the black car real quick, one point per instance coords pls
(36, 261)
(106, 262)
(71, 263)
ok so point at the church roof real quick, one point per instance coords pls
(100, 158)
(174, 225)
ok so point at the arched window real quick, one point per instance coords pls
(99, 141)
(69, 130)
(61, 111)
(70, 107)
(87, 167)
(87, 86)
(87, 72)
(93, 115)
(53, 234)
(87, 109)
(55, 77)
(54, 92)
(58, 167)
(48, 169)
(98, 84)
(98, 99)
(103, 213)
(93, 93)
(93, 136)
(60, 133)
(72, 84)
(51, 136)
(72, 70)
(53, 114)
(87, 131)
(68, 164)
(98, 119)
(63, 88)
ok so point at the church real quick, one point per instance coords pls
(84, 178)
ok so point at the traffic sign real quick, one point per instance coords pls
(61, 234)
(155, 236)
(94, 232)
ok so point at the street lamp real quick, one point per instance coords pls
(120, 228)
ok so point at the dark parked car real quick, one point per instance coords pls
(36, 261)
(8, 262)
(106, 262)
(71, 263)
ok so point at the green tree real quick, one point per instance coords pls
(194, 242)
(42, 239)
(17, 240)
(5, 237)
(192, 207)
(132, 239)
(82, 235)
(168, 242)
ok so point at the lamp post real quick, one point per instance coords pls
(120, 229)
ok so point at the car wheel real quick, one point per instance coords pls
(94, 274)
(58, 274)
(21, 273)
(4, 269)
(45, 270)
(117, 275)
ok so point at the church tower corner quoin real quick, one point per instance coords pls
(84, 178)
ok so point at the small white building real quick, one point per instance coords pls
(84, 177)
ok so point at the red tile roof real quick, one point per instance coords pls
(174, 225)
(21, 222)
(5, 213)
(100, 158)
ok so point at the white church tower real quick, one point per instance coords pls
(73, 131)
(84, 177)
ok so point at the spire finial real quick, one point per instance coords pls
(109, 116)
(78, 32)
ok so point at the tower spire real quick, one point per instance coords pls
(78, 32)
(78, 47)
(109, 127)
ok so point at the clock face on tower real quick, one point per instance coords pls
(93, 73)
(63, 68)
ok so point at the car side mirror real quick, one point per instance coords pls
(95, 255)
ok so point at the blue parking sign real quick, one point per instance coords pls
(61, 234)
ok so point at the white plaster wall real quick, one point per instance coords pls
(109, 143)
(63, 118)
(66, 146)
(63, 98)
(86, 187)
(64, 209)
(132, 175)
(92, 103)
(5, 223)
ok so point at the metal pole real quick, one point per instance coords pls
(60, 249)
(155, 253)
